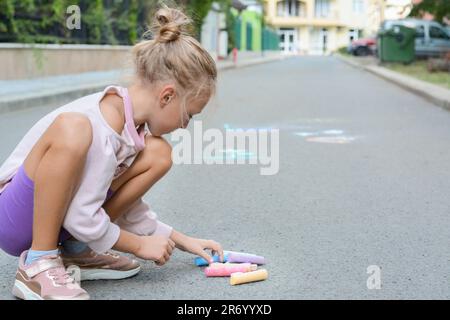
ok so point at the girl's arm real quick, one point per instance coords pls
(157, 248)
(128, 242)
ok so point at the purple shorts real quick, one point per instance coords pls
(16, 215)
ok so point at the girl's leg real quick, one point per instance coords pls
(150, 165)
(55, 165)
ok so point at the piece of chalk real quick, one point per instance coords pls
(226, 271)
(250, 254)
(216, 265)
(253, 267)
(241, 277)
(220, 264)
(242, 257)
(200, 262)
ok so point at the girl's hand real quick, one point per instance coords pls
(156, 248)
(198, 246)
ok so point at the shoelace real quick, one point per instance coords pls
(60, 276)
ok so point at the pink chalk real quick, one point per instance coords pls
(226, 271)
(228, 264)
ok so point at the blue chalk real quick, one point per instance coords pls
(200, 262)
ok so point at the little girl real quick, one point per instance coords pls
(78, 176)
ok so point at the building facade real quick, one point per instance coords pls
(246, 28)
(322, 26)
(250, 33)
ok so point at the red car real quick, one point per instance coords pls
(363, 47)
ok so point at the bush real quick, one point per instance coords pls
(342, 50)
(102, 21)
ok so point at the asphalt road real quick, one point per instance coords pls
(364, 180)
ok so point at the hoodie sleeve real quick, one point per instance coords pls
(85, 219)
(141, 220)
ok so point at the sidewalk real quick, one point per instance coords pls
(55, 91)
(431, 92)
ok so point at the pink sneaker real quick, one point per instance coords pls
(46, 279)
(106, 266)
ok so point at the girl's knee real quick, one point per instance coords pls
(159, 152)
(74, 132)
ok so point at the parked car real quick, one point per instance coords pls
(432, 39)
(363, 47)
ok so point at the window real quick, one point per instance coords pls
(358, 6)
(420, 32)
(290, 8)
(302, 9)
(353, 34)
(281, 8)
(438, 33)
(322, 8)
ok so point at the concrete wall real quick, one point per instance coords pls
(24, 61)
(213, 36)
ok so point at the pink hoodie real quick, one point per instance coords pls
(109, 156)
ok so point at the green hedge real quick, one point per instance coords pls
(102, 21)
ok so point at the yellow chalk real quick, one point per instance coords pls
(240, 277)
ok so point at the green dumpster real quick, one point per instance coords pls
(397, 44)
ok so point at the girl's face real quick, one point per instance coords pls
(171, 114)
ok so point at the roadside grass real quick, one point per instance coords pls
(418, 69)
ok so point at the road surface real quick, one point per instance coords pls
(364, 180)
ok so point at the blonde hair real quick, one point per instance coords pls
(174, 55)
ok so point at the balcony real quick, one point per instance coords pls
(330, 17)
(291, 9)
(330, 20)
(296, 13)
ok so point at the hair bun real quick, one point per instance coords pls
(169, 24)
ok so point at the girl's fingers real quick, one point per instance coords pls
(215, 253)
(169, 249)
(166, 257)
(206, 256)
(216, 248)
(160, 262)
(222, 257)
(172, 244)
(219, 250)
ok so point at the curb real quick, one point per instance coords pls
(253, 62)
(57, 97)
(51, 99)
(432, 93)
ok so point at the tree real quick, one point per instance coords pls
(440, 9)
(197, 11)
(102, 21)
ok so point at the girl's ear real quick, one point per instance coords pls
(167, 95)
